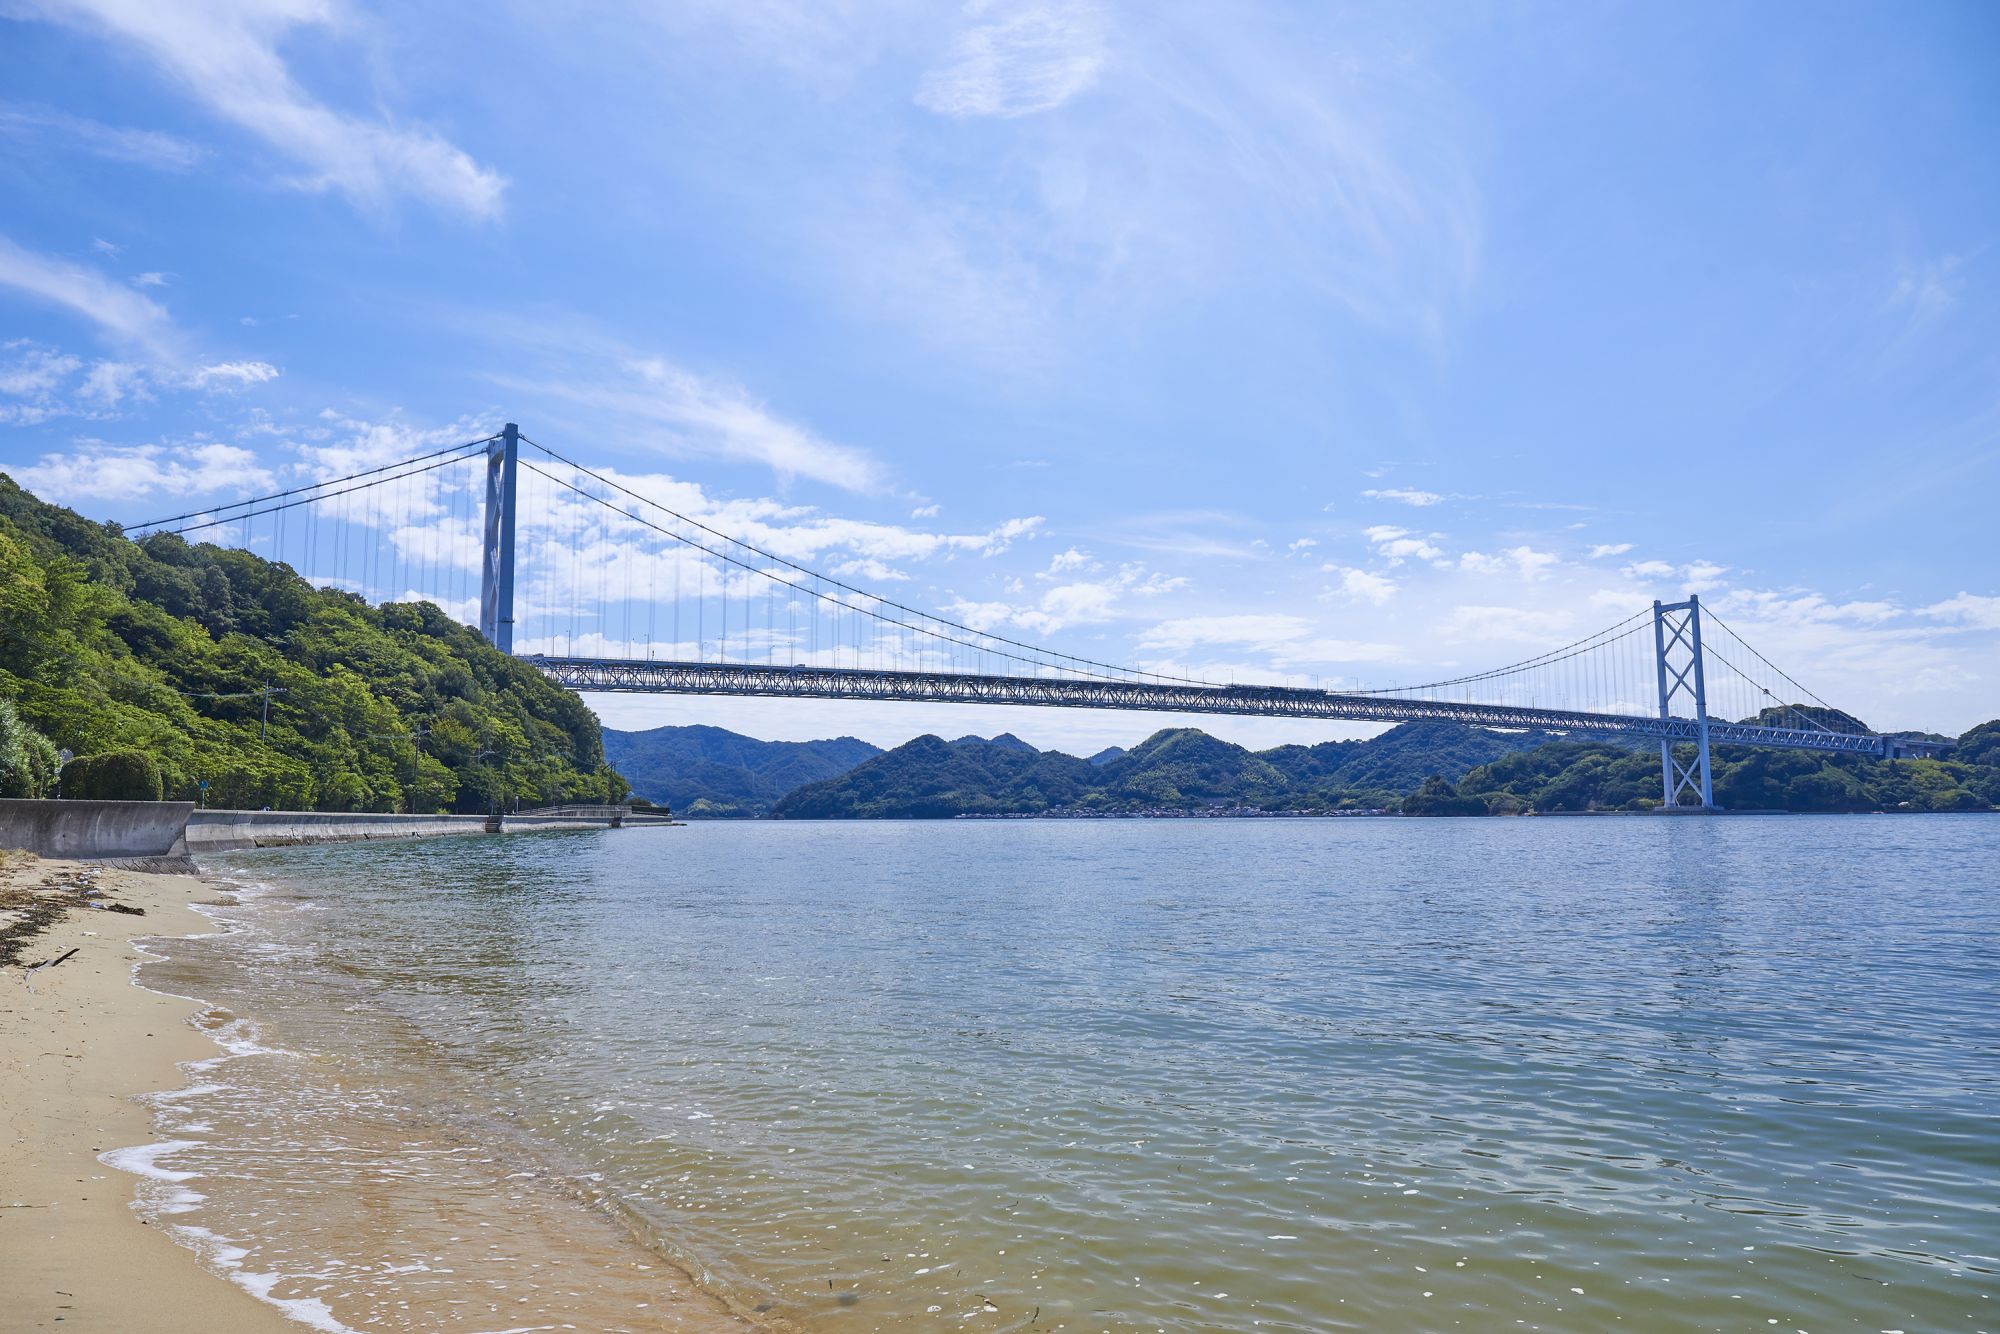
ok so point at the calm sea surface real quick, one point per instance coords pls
(1372, 1074)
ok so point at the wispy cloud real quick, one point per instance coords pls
(145, 148)
(683, 412)
(1925, 292)
(1405, 496)
(1016, 59)
(115, 309)
(224, 53)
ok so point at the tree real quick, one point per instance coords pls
(28, 760)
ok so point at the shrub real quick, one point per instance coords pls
(27, 758)
(116, 775)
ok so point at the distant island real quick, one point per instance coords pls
(1419, 768)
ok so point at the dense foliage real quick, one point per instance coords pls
(166, 648)
(27, 758)
(1176, 770)
(1573, 777)
(116, 775)
(1419, 768)
(708, 772)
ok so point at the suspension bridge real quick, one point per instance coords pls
(604, 587)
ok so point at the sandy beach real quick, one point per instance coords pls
(384, 1216)
(78, 1041)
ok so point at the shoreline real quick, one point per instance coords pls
(95, 1063)
(80, 1043)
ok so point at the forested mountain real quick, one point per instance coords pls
(710, 772)
(1421, 768)
(1179, 769)
(161, 651)
(1566, 776)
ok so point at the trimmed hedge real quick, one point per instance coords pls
(116, 775)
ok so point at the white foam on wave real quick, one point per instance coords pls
(159, 1187)
(226, 1257)
(143, 1160)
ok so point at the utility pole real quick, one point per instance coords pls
(264, 726)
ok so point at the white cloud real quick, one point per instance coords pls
(1969, 609)
(1018, 59)
(114, 308)
(100, 471)
(234, 373)
(1066, 562)
(225, 54)
(1399, 544)
(34, 370)
(1363, 586)
(149, 280)
(1523, 561)
(1648, 569)
(703, 415)
(926, 511)
(1300, 546)
(1603, 549)
(146, 148)
(112, 382)
(1076, 602)
(872, 570)
(43, 382)
(1405, 496)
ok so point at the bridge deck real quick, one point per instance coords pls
(714, 678)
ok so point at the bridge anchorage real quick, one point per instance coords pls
(621, 592)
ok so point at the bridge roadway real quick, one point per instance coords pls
(717, 678)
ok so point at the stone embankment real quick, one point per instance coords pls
(151, 830)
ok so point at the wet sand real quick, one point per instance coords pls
(78, 1042)
(340, 1206)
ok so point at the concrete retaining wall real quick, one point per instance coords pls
(230, 831)
(93, 829)
(128, 830)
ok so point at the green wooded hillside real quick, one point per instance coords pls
(163, 647)
(1177, 769)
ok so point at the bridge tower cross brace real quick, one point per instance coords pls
(1677, 654)
(496, 579)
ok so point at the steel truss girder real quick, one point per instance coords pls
(715, 678)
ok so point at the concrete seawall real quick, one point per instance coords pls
(231, 831)
(135, 830)
(94, 829)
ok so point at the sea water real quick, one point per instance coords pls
(1368, 1074)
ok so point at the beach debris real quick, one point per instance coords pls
(46, 963)
(125, 908)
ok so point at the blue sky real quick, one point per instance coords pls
(1305, 342)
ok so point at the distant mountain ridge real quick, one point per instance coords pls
(713, 772)
(1177, 769)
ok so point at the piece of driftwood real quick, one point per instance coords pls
(46, 963)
